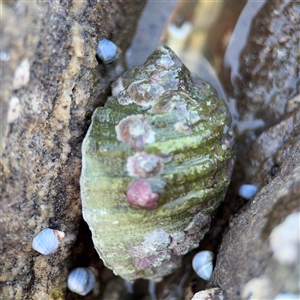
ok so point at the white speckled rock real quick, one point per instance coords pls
(285, 240)
(210, 294)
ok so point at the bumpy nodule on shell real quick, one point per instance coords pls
(47, 241)
(81, 281)
(156, 160)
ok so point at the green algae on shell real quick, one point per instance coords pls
(156, 161)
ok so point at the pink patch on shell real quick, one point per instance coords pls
(139, 194)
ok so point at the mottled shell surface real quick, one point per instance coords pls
(81, 281)
(47, 241)
(156, 160)
(107, 51)
(203, 264)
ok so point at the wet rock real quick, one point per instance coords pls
(266, 91)
(246, 260)
(49, 64)
(268, 72)
(262, 159)
(267, 95)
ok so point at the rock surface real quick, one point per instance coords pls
(48, 57)
(245, 252)
(267, 95)
(269, 66)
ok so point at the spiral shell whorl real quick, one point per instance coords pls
(157, 159)
(47, 241)
(203, 264)
(81, 281)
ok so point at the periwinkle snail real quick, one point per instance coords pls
(156, 161)
(107, 51)
(81, 281)
(203, 264)
(247, 191)
(47, 241)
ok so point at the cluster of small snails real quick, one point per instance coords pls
(47, 241)
(80, 280)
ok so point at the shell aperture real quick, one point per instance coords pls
(156, 160)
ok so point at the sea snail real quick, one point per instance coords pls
(156, 161)
(107, 51)
(81, 281)
(47, 241)
(247, 191)
(203, 264)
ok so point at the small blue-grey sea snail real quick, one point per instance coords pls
(81, 281)
(47, 241)
(203, 264)
(107, 51)
(247, 191)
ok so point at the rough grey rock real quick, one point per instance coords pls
(48, 57)
(269, 66)
(245, 262)
(268, 156)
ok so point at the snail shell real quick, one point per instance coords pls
(47, 241)
(247, 191)
(107, 51)
(81, 281)
(156, 160)
(203, 264)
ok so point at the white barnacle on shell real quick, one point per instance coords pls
(47, 241)
(107, 51)
(81, 281)
(203, 264)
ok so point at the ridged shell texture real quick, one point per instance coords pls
(156, 160)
